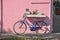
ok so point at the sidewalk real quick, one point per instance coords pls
(42, 36)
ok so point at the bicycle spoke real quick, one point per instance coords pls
(19, 27)
(43, 26)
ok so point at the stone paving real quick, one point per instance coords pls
(52, 36)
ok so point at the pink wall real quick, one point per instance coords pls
(0, 15)
(13, 11)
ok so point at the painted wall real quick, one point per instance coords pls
(0, 15)
(13, 11)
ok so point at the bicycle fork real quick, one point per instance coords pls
(21, 24)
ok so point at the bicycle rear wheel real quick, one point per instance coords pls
(43, 26)
(19, 27)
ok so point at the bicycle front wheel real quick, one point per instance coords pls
(19, 27)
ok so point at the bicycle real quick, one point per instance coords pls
(22, 26)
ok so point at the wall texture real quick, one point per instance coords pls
(0, 15)
(13, 10)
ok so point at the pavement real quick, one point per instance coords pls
(42, 36)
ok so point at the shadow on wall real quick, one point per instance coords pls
(4, 31)
(49, 26)
(9, 30)
(46, 20)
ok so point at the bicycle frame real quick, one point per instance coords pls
(26, 22)
(32, 27)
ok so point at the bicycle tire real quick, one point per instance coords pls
(40, 25)
(22, 23)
